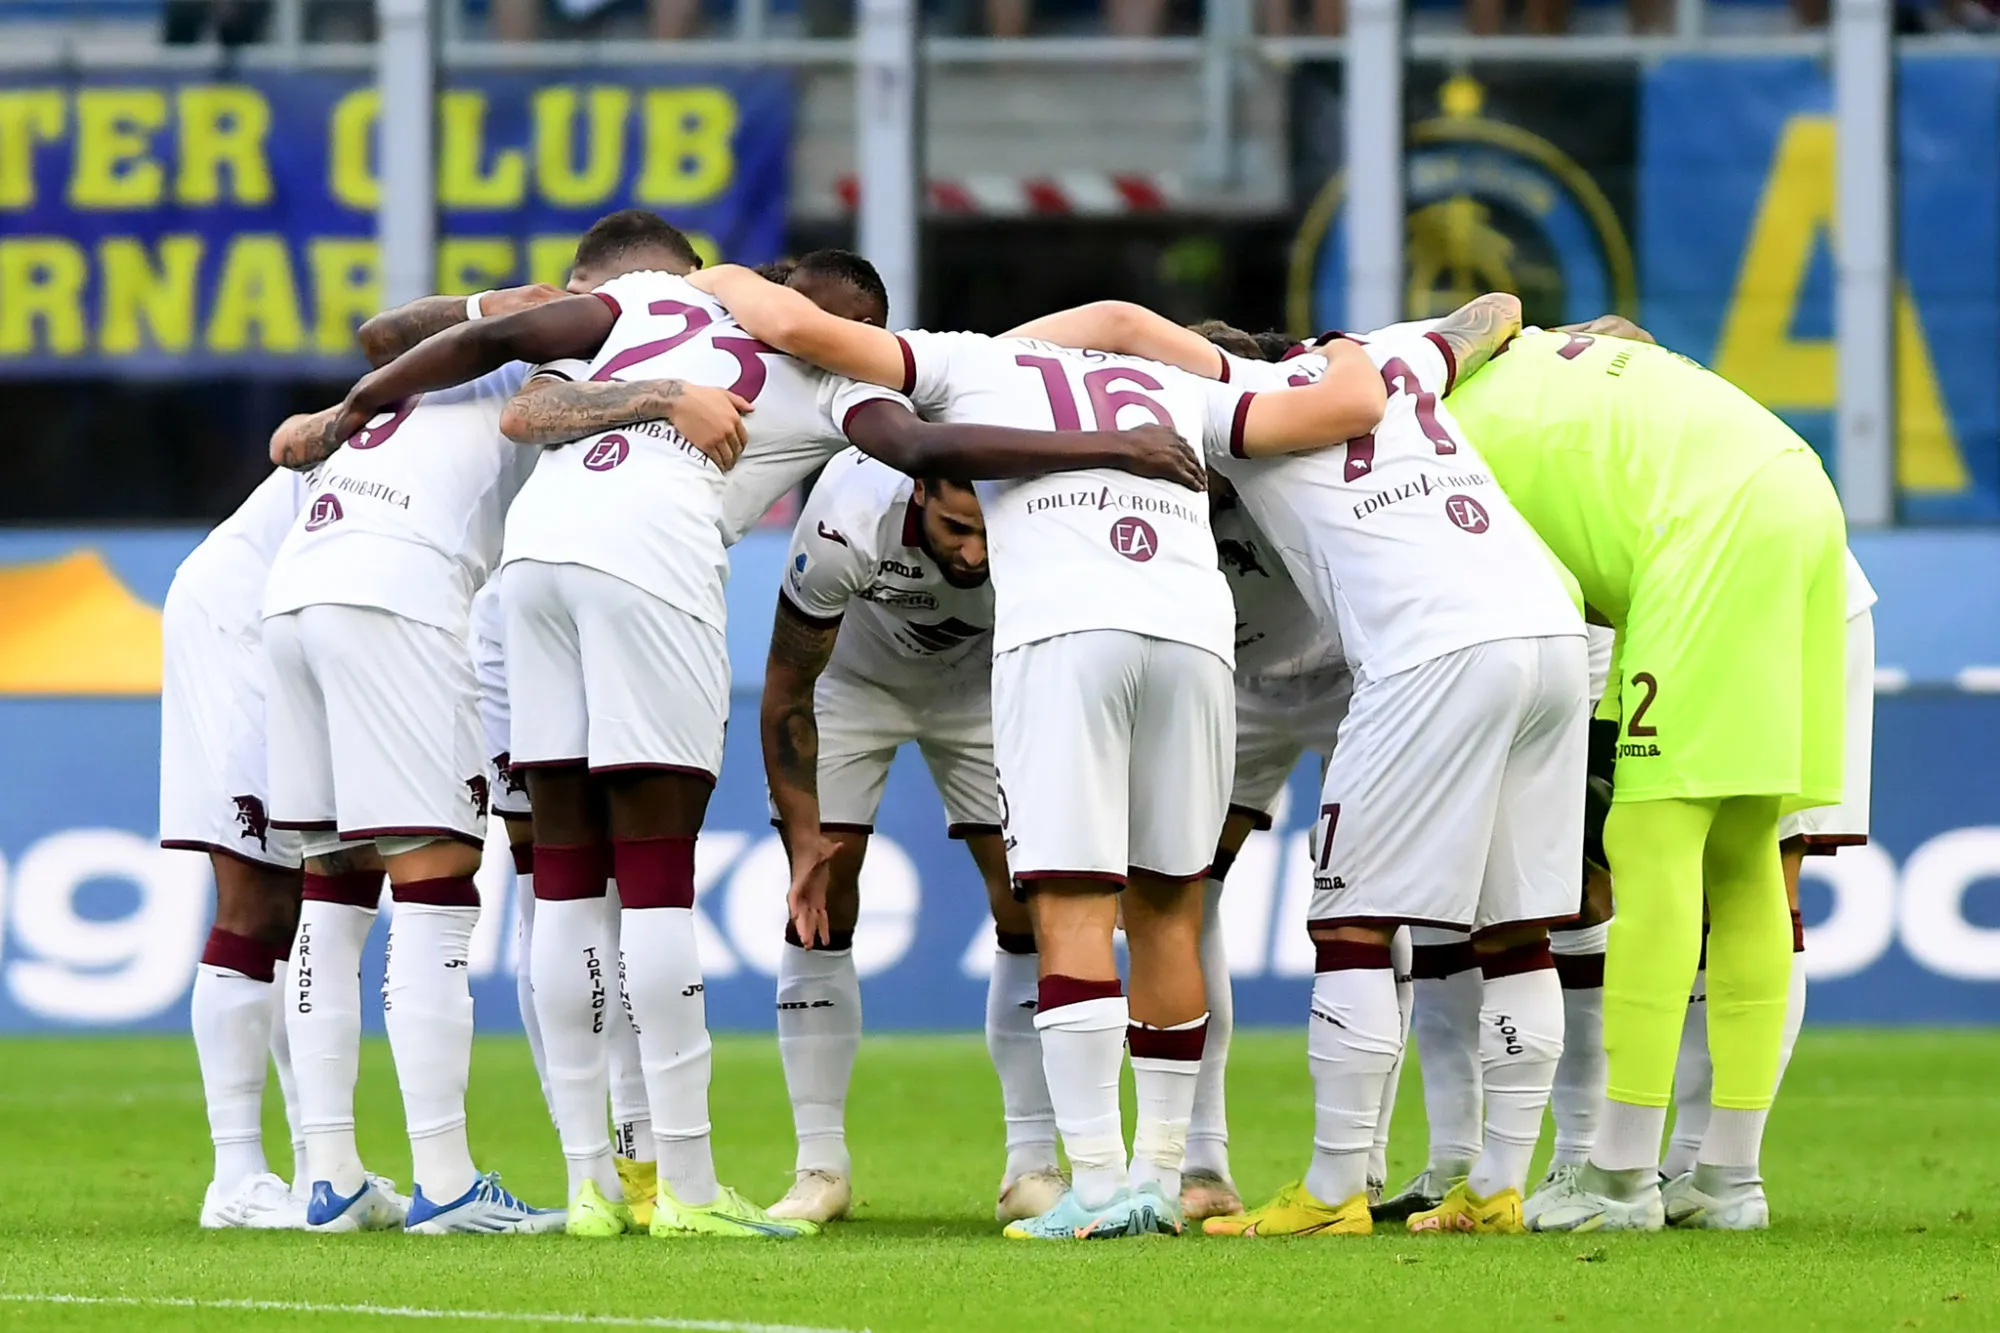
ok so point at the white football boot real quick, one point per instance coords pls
(261, 1203)
(815, 1196)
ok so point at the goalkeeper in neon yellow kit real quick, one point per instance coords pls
(1707, 534)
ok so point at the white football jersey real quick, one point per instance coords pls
(1860, 592)
(640, 502)
(1094, 549)
(407, 516)
(1277, 635)
(1400, 538)
(225, 574)
(857, 556)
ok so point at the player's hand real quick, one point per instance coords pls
(710, 419)
(345, 424)
(1158, 452)
(812, 870)
(512, 300)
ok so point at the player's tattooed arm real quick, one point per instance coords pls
(1478, 329)
(801, 646)
(890, 432)
(1133, 330)
(568, 326)
(300, 443)
(790, 322)
(394, 332)
(552, 410)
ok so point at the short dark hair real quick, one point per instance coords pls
(932, 483)
(848, 267)
(778, 270)
(1230, 339)
(1274, 343)
(616, 235)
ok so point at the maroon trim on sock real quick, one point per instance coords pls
(1798, 933)
(524, 858)
(1259, 819)
(1349, 956)
(444, 891)
(1148, 1043)
(241, 954)
(653, 872)
(837, 941)
(1580, 971)
(1054, 992)
(568, 872)
(1513, 962)
(353, 888)
(1435, 962)
(1019, 942)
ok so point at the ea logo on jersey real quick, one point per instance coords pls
(325, 510)
(1490, 207)
(1135, 539)
(1467, 513)
(607, 453)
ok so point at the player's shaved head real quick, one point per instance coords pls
(627, 241)
(842, 283)
(1229, 338)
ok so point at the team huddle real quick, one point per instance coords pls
(1568, 620)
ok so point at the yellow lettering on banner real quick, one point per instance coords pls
(350, 132)
(132, 290)
(556, 173)
(688, 155)
(347, 289)
(256, 291)
(462, 149)
(114, 166)
(549, 258)
(1756, 350)
(223, 126)
(468, 264)
(41, 285)
(28, 116)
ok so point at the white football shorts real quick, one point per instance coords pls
(1114, 753)
(862, 725)
(374, 728)
(601, 671)
(1277, 723)
(489, 671)
(214, 792)
(1826, 828)
(1455, 797)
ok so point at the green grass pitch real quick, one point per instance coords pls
(1883, 1161)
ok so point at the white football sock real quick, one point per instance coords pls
(1795, 1017)
(323, 1020)
(1736, 1138)
(819, 1034)
(1166, 1066)
(1353, 1037)
(231, 1016)
(631, 1116)
(288, 1084)
(1208, 1129)
(669, 1012)
(1016, 1049)
(1520, 1041)
(1445, 1022)
(1083, 1045)
(574, 966)
(1694, 1078)
(1630, 1137)
(1577, 1099)
(427, 1007)
(1399, 963)
(524, 984)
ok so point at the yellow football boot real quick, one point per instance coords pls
(640, 1180)
(1463, 1211)
(1294, 1212)
(729, 1215)
(591, 1214)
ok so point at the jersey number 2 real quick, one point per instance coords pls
(749, 353)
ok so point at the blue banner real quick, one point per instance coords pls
(179, 225)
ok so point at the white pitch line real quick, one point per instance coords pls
(414, 1312)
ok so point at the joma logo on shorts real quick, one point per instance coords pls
(1638, 750)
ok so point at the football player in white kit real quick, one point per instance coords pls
(214, 799)
(884, 635)
(1112, 710)
(616, 567)
(1453, 798)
